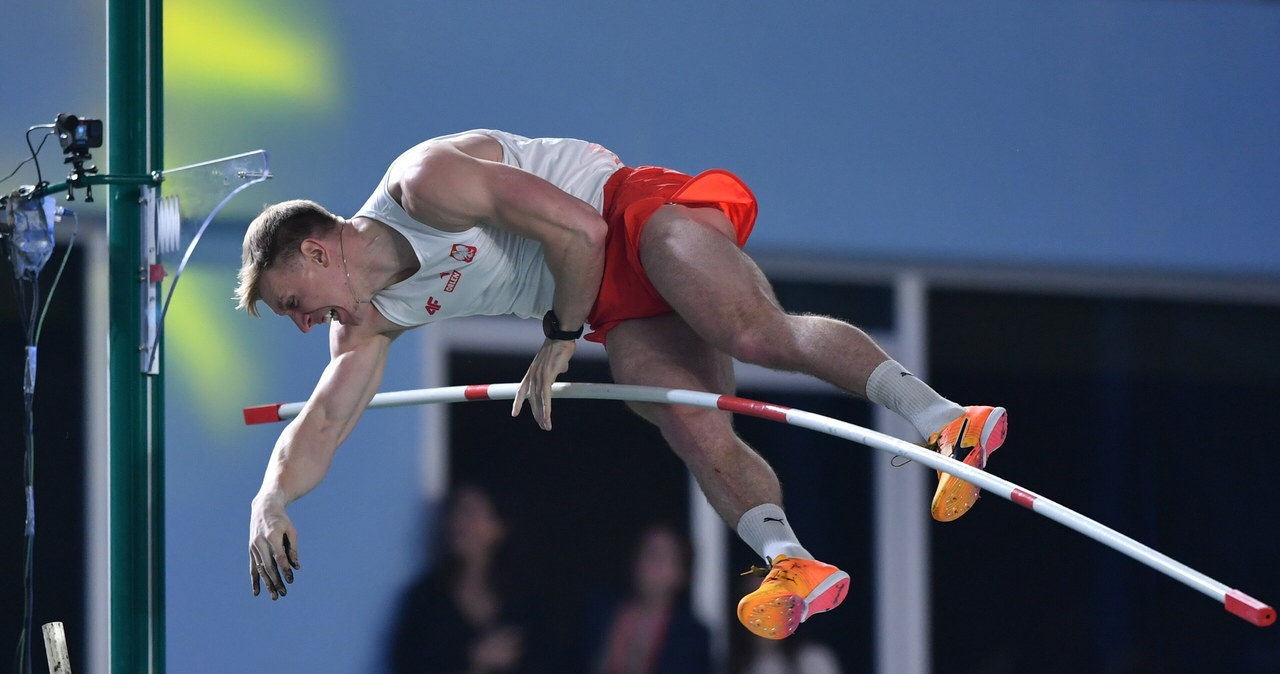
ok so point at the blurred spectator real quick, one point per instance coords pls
(794, 655)
(465, 615)
(652, 630)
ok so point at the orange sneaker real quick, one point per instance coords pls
(971, 439)
(794, 590)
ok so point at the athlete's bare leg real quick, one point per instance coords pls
(664, 351)
(692, 259)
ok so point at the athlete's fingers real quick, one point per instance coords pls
(521, 394)
(544, 419)
(538, 403)
(273, 577)
(291, 550)
(280, 563)
(262, 567)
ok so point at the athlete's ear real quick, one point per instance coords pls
(313, 251)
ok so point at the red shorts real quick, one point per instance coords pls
(631, 196)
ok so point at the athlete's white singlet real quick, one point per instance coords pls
(486, 270)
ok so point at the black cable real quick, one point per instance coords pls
(21, 298)
(31, 158)
(28, 574)
(30, 472)
(29, 314)
(35, 308)
(34, 152)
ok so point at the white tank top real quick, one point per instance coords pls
(487, 270)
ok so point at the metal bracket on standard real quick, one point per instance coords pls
(176, 220)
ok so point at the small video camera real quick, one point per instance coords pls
(78, 135)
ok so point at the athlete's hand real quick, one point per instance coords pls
(273, 545)
(552, 360)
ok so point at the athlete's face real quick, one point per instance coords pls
(311, 289)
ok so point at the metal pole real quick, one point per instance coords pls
(133, 561)
(155, 39)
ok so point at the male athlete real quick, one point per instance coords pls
(488, 222)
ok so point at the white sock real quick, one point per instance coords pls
(766, 530)
(892, 386)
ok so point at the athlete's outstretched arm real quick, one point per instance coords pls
(305, 450)
(452, 189)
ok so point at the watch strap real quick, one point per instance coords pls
(551, 328)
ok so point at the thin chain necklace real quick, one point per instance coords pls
(343, 250)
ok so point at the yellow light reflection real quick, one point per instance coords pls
(210, 359)
(279, 51)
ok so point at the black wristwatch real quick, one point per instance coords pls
(551, 328)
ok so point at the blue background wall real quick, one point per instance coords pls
(1121, 135)
(1118, 133)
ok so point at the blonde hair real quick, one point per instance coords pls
(274, 238)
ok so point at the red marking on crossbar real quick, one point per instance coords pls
(1249, 608)
(262, 414)
(1023, 498)
(477, 392)
(753, 407)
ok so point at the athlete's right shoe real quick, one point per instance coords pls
(794, 590)
(971, 439)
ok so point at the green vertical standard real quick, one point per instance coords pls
(155, 38)
(136, 586)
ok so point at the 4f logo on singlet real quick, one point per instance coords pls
(463, 253)
(432, 306)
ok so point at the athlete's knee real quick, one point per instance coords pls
(673, 220)
(685, 426)
(766, 343)
(681, 420)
